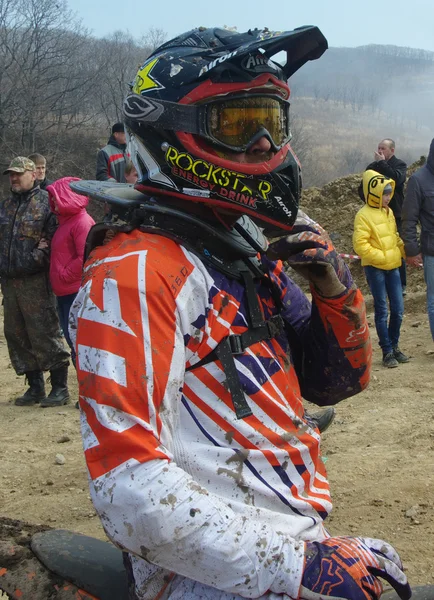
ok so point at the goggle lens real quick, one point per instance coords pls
(235, 122)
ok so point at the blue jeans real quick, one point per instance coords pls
(384, 285)
(64, 304)
(428, 270)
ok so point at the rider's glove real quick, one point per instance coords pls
(348, 568)
(310, 252)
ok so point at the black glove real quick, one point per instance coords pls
(310, 252)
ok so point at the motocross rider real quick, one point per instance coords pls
(195, 348)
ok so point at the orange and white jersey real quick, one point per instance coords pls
(177, 480)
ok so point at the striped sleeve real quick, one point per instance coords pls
(332, 335)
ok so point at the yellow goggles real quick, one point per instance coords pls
(239, 122)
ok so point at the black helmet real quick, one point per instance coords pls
(208, 94)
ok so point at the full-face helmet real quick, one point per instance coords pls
(205, 97)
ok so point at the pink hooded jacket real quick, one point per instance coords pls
(67, 245)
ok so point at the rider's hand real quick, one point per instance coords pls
(347, 568)
(310, 252)
(379, 156)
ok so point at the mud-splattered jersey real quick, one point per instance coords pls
(176, 479)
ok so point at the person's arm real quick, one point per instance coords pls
(332, 349)
(50, 227)
(401, 246)
(397, 171)
(41, 253)
(399, 242)
(131, 363)
(362, 243)
(102, 167)
(410, 217)
(329, 339)
(72, 271)
(373, 166)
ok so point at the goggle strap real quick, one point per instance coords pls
(163, 114)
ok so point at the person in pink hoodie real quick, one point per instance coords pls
(67, 247)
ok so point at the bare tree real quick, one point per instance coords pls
(59, 87)
(119, 56)
(41, 77)
(354, 159)
(153, 38)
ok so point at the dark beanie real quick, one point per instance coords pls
(118, 128)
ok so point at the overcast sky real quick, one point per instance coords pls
(343, 22)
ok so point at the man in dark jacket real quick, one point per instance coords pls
(41, 170)
(387, 164)
(31, 324)
(110, 161)
(418, 207)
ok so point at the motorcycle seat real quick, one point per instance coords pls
(92, 565)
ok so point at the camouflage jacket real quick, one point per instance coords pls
(24, 220)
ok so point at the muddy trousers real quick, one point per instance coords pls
(31, 324)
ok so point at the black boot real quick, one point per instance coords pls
(322, 419)
(389, 360)
(36, 391)
(59, 394)
(400, 356)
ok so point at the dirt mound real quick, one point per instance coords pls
(416, 165)
(334, 206)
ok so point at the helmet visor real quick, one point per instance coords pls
(237, 123)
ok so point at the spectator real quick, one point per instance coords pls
(387, 164)
(110, 161)
(31, 323)
(378, 244)
(41, 170)
(130, 172)
(419, 208)
(67, 247)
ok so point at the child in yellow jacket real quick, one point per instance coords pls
(377, 242)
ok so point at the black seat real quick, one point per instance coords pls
(90, 564)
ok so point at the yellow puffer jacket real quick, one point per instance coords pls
(375, 237)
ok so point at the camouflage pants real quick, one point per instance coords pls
(31, 324)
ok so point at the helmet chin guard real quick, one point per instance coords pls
(200, 101)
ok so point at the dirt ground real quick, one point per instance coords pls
(379, 454)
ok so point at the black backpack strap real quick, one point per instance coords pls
(259, 330)
(225, 355)
(253, 308)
